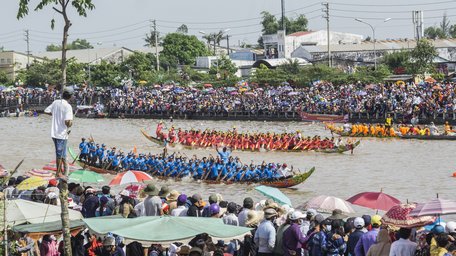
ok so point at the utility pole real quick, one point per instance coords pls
(283, 15)
(417, 19)
(157, 59)
(326, 16)
(27, 39)
(228, 44)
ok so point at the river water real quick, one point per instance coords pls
(407, 169)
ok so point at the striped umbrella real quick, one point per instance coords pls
(47, 175)
(436, 206)
(399, 216)
(51, 166)
(130, 177)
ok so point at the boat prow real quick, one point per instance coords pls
(75, 158)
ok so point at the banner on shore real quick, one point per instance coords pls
(323, 118)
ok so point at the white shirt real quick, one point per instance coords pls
(140, 210)
(179, 211)
(61, 111)
(403, 247)
(242, 217)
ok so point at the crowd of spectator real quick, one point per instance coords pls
(421, 100)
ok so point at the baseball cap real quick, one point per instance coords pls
(319, 218)
(311, 212)
(358, 222)
(376, 220)
(438, 229)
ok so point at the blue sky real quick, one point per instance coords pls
(125, 23)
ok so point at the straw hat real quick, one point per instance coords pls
(253, 218)
(173, 195)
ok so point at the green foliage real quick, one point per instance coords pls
(263, 75)
(182, 29)
(422, 57)
(49, 72)
(224, 67)
(4, 78)
(434, 33)
(445, 30)
(290, 67)
(271, 24)
(81, 6)
(182, 49)
(107, 74)
(397, 61)
(150, 39)
(77, 44)
(438, 76)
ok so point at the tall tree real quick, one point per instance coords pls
(397, 61)
(445, 25)
(150, 39)
(271, 24)
(182, 29)
(183, 49)
(422, 57)
(61, 7)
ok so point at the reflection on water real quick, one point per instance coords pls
(408, 169)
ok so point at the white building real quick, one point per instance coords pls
(281, 46)
(11, 62)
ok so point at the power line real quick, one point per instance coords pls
(408, 11)
(396, 5)
(369, 18)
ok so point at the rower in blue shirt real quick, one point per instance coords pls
(84, 148)
(224, 154)
(100, 154)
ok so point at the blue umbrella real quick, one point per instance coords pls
(274, 193)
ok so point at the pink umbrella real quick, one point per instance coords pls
(130, 177)
(399, 216)
(436, 206)
(374, 200)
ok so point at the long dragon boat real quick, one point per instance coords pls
(429, 137)
(339, 131)
(340, 149)
(278, 183)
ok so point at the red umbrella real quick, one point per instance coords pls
(134, 189)
(374, 200)
(398, 216)
(130, 177)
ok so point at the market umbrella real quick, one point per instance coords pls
(172, 229)
(398, 216)
(328, 203)
(274, 193)
(45, 174)
(374, 200)
(436, 206)
(32, 183)
(23, 211)
(130, 177)
(85, 176)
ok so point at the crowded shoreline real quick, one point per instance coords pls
(373, 102)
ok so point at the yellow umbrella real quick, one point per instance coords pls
(32, 183)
